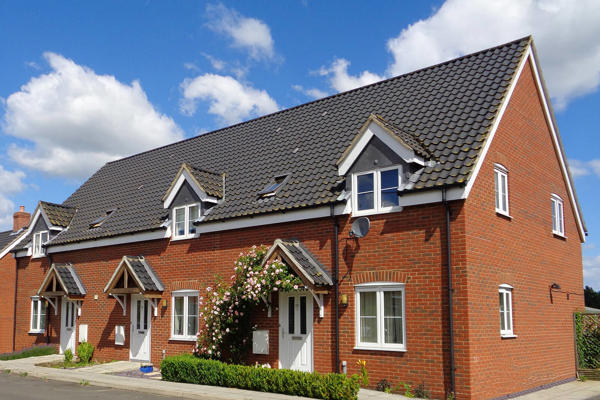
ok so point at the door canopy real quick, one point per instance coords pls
(134, 276)
(62, 280)
(293, 253)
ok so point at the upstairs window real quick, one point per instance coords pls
(38, 315)
(558, 222)
(501, 188)
(184, 324)
(39, 238)
(376, 191)
(506, 313)
(183, 220)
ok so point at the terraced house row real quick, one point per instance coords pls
(457, 171)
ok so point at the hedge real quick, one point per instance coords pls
(191, 369)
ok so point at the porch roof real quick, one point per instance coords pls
(62, 279)
(142, 275)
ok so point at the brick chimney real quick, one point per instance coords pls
(20, 219)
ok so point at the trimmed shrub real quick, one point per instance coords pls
(190, 369)
(68, 356)
(35, 351)
(85, 351)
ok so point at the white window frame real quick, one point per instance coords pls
(558, 215)
(379, 288)
(41, 303)
(37, 249)
(186, 209)
(376, 192)
(501, 171)
(506, 291)
(186, 294)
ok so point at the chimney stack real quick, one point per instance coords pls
(20, 219)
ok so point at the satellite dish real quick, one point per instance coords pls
(360, 227)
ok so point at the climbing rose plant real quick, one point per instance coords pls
(227, 311)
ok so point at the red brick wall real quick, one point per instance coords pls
(521, 251)
(7, 301)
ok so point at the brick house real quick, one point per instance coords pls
(457, 170)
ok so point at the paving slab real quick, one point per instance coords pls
(576, 390)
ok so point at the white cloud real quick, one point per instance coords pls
(230, 99)
(11, 182)
(591, 271)
(582, 168)
(191, 66)
(216, 63)
(246, 33)
(565, 33)
(310, 92)
(77, 120)
(340, 80)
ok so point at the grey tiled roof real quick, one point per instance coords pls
(59, 215)
(6, 238)
(146, 275)
(211, 182)
(448, 108)
(410, 139)
(307, 261)
(69, 277)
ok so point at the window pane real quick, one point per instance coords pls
(193, 215)
(34, 314)
(554, 219)
(44, 237)
(368, 317)
(42, 314)
(364, 183)
(560, 218)
(389, 179)
(178, 316)
(392, 315)
(145, 311)
(180, 221)
(138, 314)
(192, 326)
(502, 310)
(303, 315)
(504, 192)
(291, 316)
(497, 188)
(365, 201)
(507, 301)
(389, 198)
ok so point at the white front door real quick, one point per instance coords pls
(68, 325)
(295, 331)
(139, 342)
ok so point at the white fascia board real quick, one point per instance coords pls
(529, 55)
(88, 244)
(185, 176)
(374, 129)
(14, 243)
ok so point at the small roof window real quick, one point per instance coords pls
(273, 186)
(99, 221)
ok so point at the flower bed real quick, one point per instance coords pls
(191, 369)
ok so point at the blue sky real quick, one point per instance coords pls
(83, 83)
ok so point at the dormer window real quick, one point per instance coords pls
(39, 238)
(376, 191)
(183, 220)
(273, 186)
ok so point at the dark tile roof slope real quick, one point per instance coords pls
(449, 107)
(309, 263)
(211, 182)
(59, 215)
(6, 238)
(410, 139)
(70, 279)
(145, 274)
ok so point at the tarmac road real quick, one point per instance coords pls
(17, 387)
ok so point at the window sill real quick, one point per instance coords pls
(375, 212)
(559, 235)
(503, 215)
(183, 338)
(378, 348)
(32, 332)
(508, 336)
(188, 237)
(38, 256)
